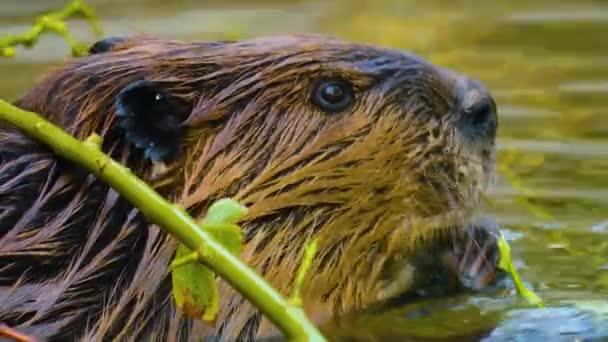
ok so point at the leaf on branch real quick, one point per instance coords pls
(194, 285)
(194, 288)
(224, 211)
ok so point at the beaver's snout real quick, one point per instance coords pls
(475, 108)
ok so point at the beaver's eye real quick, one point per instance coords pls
(333, 96)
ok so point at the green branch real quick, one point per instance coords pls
(290, 319)
(53, 22)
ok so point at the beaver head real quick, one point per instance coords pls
(372, 151)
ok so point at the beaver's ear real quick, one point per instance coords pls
(151, 118)
(105, 45)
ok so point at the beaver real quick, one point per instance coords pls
(373, 151)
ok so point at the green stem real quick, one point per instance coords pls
(291, 320)
(188, 259)
(310, 249)
(53, 22)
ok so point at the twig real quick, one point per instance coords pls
(53, 22)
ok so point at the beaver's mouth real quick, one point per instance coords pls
(472, 256)
(463, 258)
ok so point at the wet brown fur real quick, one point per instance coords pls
(373, 183)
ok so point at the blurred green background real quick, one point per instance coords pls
(546, 62)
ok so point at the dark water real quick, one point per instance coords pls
(546, 63)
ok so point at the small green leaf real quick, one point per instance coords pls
(229, 235)
(224, 211)
(7, 51)
(94, 140)
(506, 264)
(194, 287)
(221, 222)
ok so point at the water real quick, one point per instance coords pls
(546, 62)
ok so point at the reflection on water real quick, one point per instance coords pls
(546, 63)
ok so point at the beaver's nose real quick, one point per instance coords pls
(476, 110)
